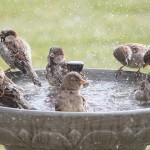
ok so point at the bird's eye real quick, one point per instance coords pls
(58, 53)
(8, 33)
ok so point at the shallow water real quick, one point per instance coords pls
(111, 96)
(102, 96)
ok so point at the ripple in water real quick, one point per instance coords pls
(102, 96)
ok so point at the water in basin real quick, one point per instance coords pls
(102, 95)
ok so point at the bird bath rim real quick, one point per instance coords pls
(124, 112)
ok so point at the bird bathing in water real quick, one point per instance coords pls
(70, 99)
(56, 68)
(11, 95)
(143, 93)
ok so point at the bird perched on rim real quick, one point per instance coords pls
(143, 93)
(70, 99)
(10, 94)
(17, 53)
(131, 55)
(56, 67)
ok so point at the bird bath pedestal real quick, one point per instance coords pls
(37, 130)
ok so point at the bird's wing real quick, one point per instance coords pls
(9, 93)
(9, 82)
(61, 101)
(84, 103)
(11, 96)
(17, 49)
(64, 69)
(136, 47)
(19, 53)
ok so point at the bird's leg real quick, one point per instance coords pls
(119, 71)
(138, 74)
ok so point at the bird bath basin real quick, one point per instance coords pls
(115, 121)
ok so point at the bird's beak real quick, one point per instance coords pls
(146, 64)
(82, 82)
(2, 37)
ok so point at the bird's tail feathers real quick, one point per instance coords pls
(33, 75)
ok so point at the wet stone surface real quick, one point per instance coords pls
(102, 95)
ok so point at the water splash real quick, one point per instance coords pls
(104, 96)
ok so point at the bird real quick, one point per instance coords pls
(11, 95)
(131, 55)
(16, 52)
(143, 93)
(139, 93)
(70, 99)
(56, 68)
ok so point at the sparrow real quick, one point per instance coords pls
(56, 68)
(143, 93)
(70, 99)
(131, 55)
(17, 53)
(11, 95)
(139, 93)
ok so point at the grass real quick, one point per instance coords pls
(2, 147)
(86, 30)
(148, 148)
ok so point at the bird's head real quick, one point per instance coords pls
(7, 35)
(146, 59)
(56, 55)
(122, 54)
(72, 81)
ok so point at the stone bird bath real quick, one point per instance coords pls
(47, 130)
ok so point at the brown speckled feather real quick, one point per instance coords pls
(136, 47)
(131, 54)
(17, 53)
(56, 68)
(20, 57)
(10, 94)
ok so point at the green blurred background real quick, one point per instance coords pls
(87, 30)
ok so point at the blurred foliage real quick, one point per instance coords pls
(148, 148)
(86, 30)
(2, 147)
